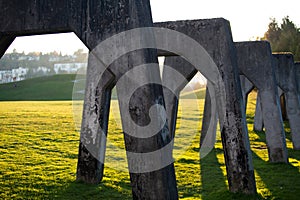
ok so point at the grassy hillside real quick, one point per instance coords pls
(57, 87)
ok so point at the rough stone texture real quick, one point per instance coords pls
(159, 184)
(286, 76)
(95, 117)
(255, 62)
(171, 99)
(94, 21)
(215, 36)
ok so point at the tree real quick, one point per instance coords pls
(284, 38)
(80, 56)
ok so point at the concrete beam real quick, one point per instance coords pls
(87, 19)
(215, 36)
(255, 62)
(286, 76)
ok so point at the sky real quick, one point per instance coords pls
(248, 19)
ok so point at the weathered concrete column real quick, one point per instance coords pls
(255, 62)
(177, 72)
(215, 36)
(258, 117)
(150, 179)
(207, 116)
(93, 22)
(94, 126)
(5, 42)
(247, 87)
(286, 76)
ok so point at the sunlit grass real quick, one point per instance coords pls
(39, 147)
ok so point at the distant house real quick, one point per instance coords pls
(19, 74)
(41, 69)
(68, 68)
(7, 76)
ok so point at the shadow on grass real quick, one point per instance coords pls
(212, 178)
(214, 182)
(104, 190)
(294, 154)
(280, 179)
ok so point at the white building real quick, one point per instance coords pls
(19, 74)
(6, 76)
(42, 69)
(70, 68)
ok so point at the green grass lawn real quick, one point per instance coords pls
(39, 145)
(57, 87)
(199, 94)
(46, 88)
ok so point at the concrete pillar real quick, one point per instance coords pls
(147, 183)
(95, 117)
(255, 62)
(173, 66)
(93, 22)
(258, 117)
(5, 42)
(215, 37)
(286, 76)
(136, 109)
(206, 121)
(247, 87)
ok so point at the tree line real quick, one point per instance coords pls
(284, 37)
(31, 60)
